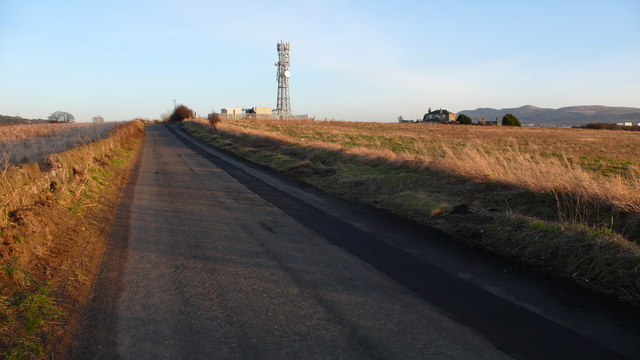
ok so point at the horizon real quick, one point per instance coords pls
(357, 61)
(333, 119)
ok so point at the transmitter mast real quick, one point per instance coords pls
(283, 107)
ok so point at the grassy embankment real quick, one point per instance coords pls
(52, 224)
(562, 201)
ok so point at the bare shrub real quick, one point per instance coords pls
(214, 119)
(181, 113)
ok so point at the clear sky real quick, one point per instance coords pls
(352, 60)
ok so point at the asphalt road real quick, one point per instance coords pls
(201, 267)
(213, 271)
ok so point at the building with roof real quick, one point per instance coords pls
(439, 116)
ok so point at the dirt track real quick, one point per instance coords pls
(202, 268)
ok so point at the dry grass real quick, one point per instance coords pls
(51, 227)
(33, 143)
(20, 184)
(597, 166)
(573, 143)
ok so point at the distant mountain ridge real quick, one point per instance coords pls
(565, 116)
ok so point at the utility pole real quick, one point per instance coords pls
(174, 104)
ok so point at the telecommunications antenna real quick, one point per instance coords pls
(283, 107)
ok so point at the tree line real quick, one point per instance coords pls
(65, 117)
(507, 120)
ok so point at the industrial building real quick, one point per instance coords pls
(232, 113)
(259, 112)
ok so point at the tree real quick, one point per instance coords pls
(97, 119)
(510, 120)
(180, 113)
(464, 119)
(61, 117)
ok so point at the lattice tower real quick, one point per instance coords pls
(283, 107)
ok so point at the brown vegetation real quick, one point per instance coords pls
(563, 201)
(180, 113)
(214, 119)
(51, 226)
(571, 143)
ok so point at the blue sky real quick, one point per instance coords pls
(351, 60)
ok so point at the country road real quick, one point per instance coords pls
(206, 261)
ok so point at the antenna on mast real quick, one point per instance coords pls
(283, 107)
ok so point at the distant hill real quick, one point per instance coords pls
(17, 120)
(566, 116)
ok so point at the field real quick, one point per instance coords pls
(578, 143)
(33, 143)
(600, 166)
(562, 201)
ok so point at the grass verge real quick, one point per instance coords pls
(51, 240)
(557, 233)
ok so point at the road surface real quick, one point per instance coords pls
(201, 267)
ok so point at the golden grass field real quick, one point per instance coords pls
(575, 143)
(601, 166)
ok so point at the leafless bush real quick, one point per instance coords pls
(181, 113)
(214, 119)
